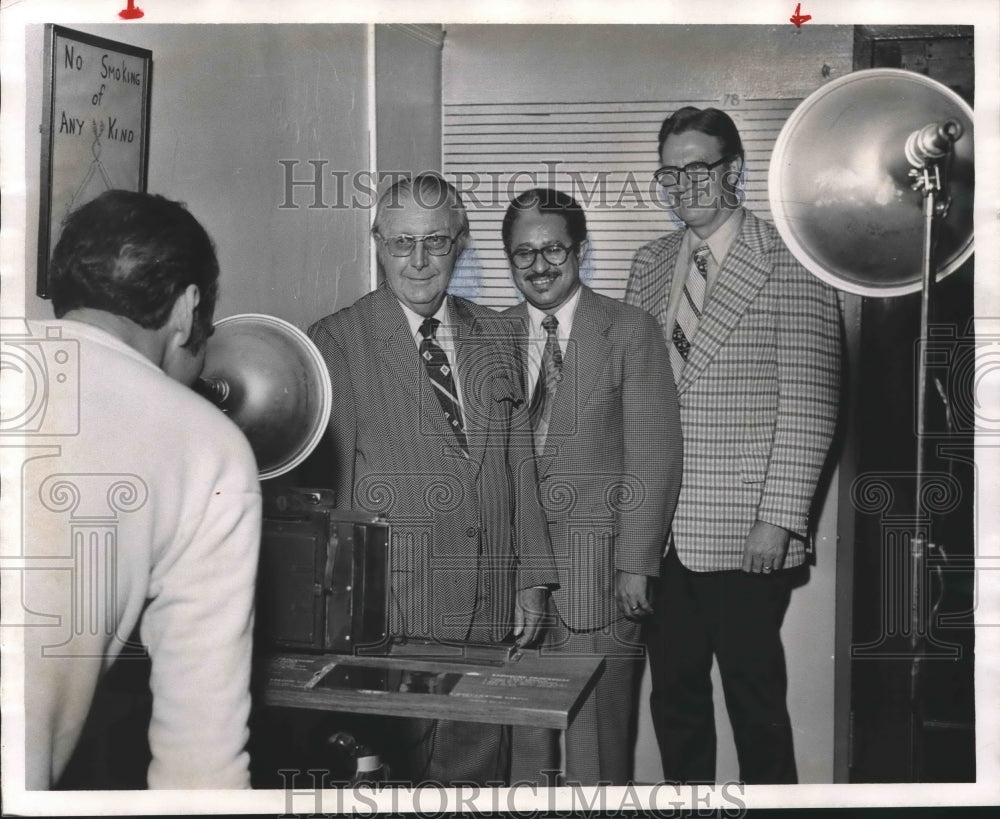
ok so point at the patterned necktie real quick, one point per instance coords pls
(439, 372)
(549, 376)
(689, 310)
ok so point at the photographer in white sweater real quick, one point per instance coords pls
(154, 501)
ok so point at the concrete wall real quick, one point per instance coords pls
(542, 63)
(408, 98)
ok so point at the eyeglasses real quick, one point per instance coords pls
(669, 176)
(437, 244)
(524, 257)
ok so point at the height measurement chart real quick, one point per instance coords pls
(94, 127)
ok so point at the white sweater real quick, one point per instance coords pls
(150, 509)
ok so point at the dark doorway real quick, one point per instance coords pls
(910, 694)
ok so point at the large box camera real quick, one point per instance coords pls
(323, 575)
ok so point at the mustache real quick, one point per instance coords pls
(549, 271)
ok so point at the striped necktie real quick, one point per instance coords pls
(549, 376)
(689, 310)
(440, 373)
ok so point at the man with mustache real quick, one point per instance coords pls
(608, 448)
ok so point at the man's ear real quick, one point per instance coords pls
(581, 249)
(182, 315)
(731, 182)
(460, 243)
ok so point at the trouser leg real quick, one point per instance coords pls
(534, 755)
(451, 752)
(752, 667)
(680, 658)
(599, 741)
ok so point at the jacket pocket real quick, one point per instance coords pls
(753, 465)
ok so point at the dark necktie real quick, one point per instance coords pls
(440, 373)
(689, 310)
(549, 376)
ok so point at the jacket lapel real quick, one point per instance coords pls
(397, 347)
(744, 273)
(583, 362)
(398, 350)
(476, 395)
(521, 324)
(664, 282)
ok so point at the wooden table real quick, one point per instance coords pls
(531, 689)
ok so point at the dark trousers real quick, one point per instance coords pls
(736, 617)
(448, 753)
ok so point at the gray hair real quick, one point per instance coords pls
(429, 190)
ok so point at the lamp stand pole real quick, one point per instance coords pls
(928, 182)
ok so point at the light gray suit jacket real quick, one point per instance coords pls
(611, 468)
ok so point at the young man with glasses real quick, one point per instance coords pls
(608, 449)
(755, 351)
(429, 429)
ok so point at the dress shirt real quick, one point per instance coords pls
(719, 243)
(537, 334)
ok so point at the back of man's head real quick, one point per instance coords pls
(132, 254)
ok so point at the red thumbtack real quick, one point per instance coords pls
(131, 13)
(797, 18)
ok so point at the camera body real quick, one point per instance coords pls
(324, 575)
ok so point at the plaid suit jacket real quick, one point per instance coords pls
(611, 468)
(466, 531)
(758, 396)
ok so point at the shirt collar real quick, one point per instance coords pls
(720, 241)
(564, 315)
(443, 315)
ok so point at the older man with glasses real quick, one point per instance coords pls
(429, 428)
(754, 343)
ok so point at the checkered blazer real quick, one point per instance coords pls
(466, 531)
(611, 468)
(758, 395)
